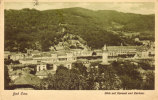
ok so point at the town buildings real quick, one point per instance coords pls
(41, 64)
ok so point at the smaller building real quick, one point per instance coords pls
(98, 52)
(137, 40)
(7, 54)
(25, 82)
(41, 66)
(65, 64)
(28, 61)
(145, 42)
(145, 54)
(35, 53)
(17, 56)
(29, 51)
(15, 74)
(42, 74)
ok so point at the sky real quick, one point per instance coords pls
(127, 7)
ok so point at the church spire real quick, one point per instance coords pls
(105, 56)
(105, 48)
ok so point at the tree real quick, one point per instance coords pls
(8, 61)
(64, 79)
(6, 78)
(129, 75)
(149, 83)
(81, 68)
(94, 54)
(110, 80)
(128, 83)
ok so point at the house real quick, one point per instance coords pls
(121, 50)
(35, 53)
(42, 74)
(55, 67)
(15, 74)
(81, 52)
(145, 54)
(43, 57)
(151, 53)
(137, 55)
(28, 61)
(68, 65)
(41, 66)
(136, 40)
(29, 51)
(10, 69)
(85, 62)
(63, 56)
(59, 46)
(98, 52)
(127, 52)
(7, 54)
(17, 66)
(17, 70)
(70, 57)
(58, 56)
(26, 82)
(17, 56)
(145, 42)
(28, 69)
(65, 64)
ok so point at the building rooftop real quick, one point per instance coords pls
(61, 54)
(38, 63)
(19, 65)
(35, 51)
(27, 79)
(15, 73)
(98, 51)
(45, 72)
(126, 47)
(122, 47)
(42, 73)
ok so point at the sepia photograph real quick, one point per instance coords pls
(79, 45)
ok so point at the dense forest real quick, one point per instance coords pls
(30, 28)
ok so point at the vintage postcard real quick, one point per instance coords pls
(78, 49)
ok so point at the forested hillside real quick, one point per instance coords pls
(30, 28)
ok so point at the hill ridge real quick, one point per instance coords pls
(29, 27)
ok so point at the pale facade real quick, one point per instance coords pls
(41, 67)
(145, 54)
(17, 56)
(105, 55)
(28, 61)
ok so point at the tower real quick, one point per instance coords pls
(63, 27)
(105, 55)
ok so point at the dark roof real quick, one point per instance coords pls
(27, 79)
